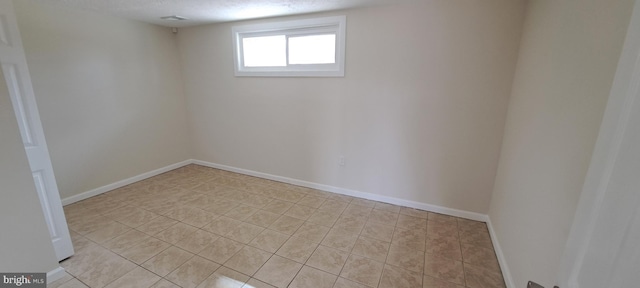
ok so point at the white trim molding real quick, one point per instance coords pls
(616, 123)
(333, 25)
(55, 274)
(122, 183)
(344, 191)
(328, 188)
(386, 199)
(349, 192)
(506, 273)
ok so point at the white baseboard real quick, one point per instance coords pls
(386, 199)
(344, 191)
(55, 274)
(121, 183)
(350, 192)
(506, 274)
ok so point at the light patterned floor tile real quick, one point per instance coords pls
(255, 283)
(328, 259)
(340, 239)
(286, 224)
(324, 218)
(439, 230)
(198, 218)
(354, 225)
(406, 258)
(262, 218)
(269, 240)
(395, 277)
(410, 222)
(138, 278)
(383, 217)
(241, 212)
(73, 283)
(297, 249)
(414, 239)
(377, 231)
(414, 212)
(344, 283)
(163, 283)
(448, 247)
(277, 207)
(109, 231)
(300, 212)
(312, 232)
(107, 271)
(157, 225)
(144, 250)
(478, 277)
(371, 248)
(248, 260)
(244, 232)
(224, 278)
(387, 207)
(312, 201)
(357, 211)
(431, 282)
(444, 268)
(167, 260)
(442, 218)
(333, 206)
(480, 256)
(311, 277)
(175, 233)
(197, 241)
(66, 278)
(223, 229)
(221, 250)
(192, 272)
(222, 225)
(278, 271)
(362, 270)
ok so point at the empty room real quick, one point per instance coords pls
(320, 143)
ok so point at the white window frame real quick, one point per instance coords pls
(315, 26)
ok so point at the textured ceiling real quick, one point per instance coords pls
(210, 11)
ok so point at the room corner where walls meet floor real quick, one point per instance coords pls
(188, 214)
(327, 188)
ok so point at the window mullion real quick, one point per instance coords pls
(308, 52)
(287, 49)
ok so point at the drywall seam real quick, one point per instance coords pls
(122, 183)
(506, 274)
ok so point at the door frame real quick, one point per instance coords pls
(16, 73)
(625, 91)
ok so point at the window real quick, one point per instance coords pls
(300, 48)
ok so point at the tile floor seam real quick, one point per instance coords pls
(184, 182)
(265, 262)
(294, 276)
(464, 275)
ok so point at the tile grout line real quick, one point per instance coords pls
(189, 187)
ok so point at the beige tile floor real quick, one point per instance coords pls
(201, 227)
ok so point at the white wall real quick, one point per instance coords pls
(25, 244)
(419, 115)
(567, 60)
(110, 94)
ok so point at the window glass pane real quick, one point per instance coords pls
(314, 49)
(267, 51)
